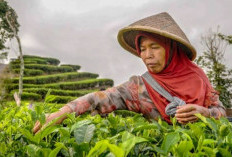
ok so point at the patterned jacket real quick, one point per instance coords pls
(131, 95)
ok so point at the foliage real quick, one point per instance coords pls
(83, 84)
(75, 67)
(52, 61)
(26, 96)
(73, 76)
(227, 38)
(6, 33)
(29, 72)
(212, 61)
(49, 69)
(43, 92)
(113, 136)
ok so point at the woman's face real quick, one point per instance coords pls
(152, 54)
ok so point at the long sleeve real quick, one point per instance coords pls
(131, 95)
(124, 96)
(217, 109)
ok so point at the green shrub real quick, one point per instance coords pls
(114, 135)
(29, 72)
(56, 78)
(12, 86)
(46, 68)
(17, 62)
(44, 91)
(52, 61)
(84, 84)
(75, 67)
(36, 60)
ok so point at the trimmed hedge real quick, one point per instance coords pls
(75, 67)
(56, 78)
(52, 61)
(29, 72)
(44, 91)
(46, 68)
(12, 86)
(91, 83)
(84, 84)
(17, 62)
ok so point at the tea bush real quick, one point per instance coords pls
(49, 69)
(120, 134)
(56, 78)
(83, 84)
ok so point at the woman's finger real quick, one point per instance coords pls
(36, 127)
(188, 119)
(185, 115)
(185, 108)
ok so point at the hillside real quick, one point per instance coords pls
(63, 81)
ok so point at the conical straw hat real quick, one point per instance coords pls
(162, 24)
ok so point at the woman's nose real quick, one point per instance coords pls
(148, 53)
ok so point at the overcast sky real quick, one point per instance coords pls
(84, 32)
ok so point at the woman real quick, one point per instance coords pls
(168, 55)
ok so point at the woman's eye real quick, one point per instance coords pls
(155, 47)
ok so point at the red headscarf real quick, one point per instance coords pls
(180, 77)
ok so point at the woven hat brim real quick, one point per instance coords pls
(131, 31)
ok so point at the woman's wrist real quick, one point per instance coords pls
(207, 112)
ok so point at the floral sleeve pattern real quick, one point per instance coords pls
(124, 96)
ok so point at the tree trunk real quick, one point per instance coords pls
(21, 58)
(21, 67)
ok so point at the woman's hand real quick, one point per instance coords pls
(62, 114)
(186, 113)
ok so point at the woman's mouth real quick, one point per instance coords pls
(152, 64)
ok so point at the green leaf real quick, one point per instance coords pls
(209, 151)
(200, 143)
(33, 116)
(224, 130)
(46, 131)
(65, 135)
(3, 148)
(45, 151)
(38, 109)
(184, 147)
(80, 124)
(55, 151)
(32, 150)
(208, 142)
(169, 141)
(225, 152)
(130, 142)
(229, 138)
(99, 148)
(28, 135)
(117, 151)
(208, 121)
(42, 118)
(84, 133)
(159, 150)
(145, 126)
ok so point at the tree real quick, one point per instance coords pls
(212, 61)
(9, 28)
